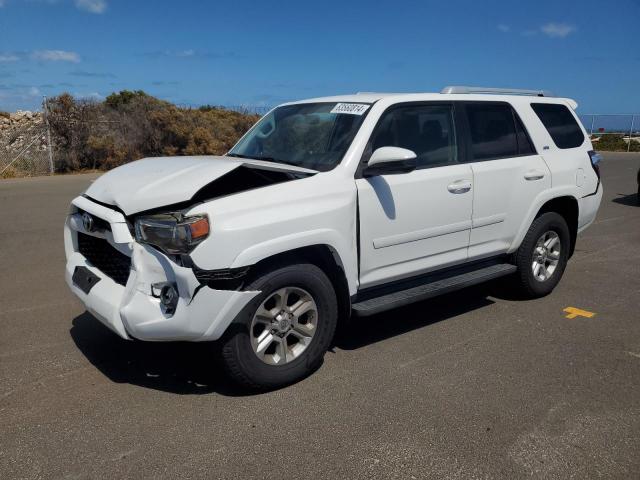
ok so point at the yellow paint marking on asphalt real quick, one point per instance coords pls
(573, 312)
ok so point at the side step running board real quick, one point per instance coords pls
(377, 300)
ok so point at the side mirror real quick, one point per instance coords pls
(389, 161)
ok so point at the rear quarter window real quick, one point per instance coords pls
(560, 123)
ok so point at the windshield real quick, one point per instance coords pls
(309, 135)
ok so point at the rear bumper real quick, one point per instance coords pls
(132, 311)
(588, 207)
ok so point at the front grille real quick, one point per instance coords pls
(98, 223)
(102, 255)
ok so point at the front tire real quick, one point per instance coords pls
(543, 254)
(282, 335)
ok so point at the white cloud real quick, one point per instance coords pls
(557, 30)
(34, 92)
(8, 57)
(92, 6)
(504, 28)
(56, 56)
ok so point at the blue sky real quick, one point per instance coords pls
(267, 52)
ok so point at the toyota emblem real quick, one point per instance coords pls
(87, 222)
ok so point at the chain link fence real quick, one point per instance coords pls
(624, 125)
(27, 148)
(25, 144)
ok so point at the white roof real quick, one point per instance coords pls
(371, 97)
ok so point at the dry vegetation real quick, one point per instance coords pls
(615, 143)
(132, 125)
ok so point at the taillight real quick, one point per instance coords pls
(595, 158)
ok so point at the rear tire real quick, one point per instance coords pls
(271, 344)
(543, 254)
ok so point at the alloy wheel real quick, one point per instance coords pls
(284, 325)
(546, 256)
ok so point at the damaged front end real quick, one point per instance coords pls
(153, 185)
(128, 241)
(137, 290)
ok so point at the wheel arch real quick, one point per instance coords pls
(562, 201)
(324, 257)
(567, 207)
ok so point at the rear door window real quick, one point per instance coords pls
(496, 131)
(492, 130)
(560, 123)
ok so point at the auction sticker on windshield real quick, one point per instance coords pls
(350, 108)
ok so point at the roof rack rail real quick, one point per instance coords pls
(497, 91)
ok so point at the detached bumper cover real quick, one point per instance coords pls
(130, 310)
(588, 207)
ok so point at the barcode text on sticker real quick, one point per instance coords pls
(350, 108)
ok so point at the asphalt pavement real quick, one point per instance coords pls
(475, 384)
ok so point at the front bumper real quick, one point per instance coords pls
(130, 310)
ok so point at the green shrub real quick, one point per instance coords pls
(124, 97)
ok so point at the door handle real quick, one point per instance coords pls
(534, 175)
(461, 186)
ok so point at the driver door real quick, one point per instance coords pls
(415, 222)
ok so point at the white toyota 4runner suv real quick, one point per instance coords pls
(330, 207)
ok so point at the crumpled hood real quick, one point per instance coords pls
(155, 182)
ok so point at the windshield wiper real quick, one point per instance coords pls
(252, 157)
(263, 159)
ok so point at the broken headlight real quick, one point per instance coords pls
(172, 232)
